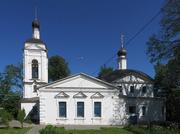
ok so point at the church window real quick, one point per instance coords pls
(62, 109)
(143, 111)
(80, 109)
(97, 109)
(34, 69)
(144, 89)
(132, 109)
(131, 89)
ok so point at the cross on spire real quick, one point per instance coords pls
(122, 40)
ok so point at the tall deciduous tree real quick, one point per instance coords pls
(11, 88)
(58, 68)
(166, 44)
(164, 52)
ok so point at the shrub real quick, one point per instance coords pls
(21, 116)
(5, 117)
(50, 130)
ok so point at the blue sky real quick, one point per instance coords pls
(85, 32)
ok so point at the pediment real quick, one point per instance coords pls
(97, 95)
(80, 81)
(62, 95)
(79, 95)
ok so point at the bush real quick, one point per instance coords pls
(21, 116)
(5, 117)
(154, 130)
(51, 130)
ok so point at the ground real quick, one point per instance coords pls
(14, 131)
(112, 130)
(72, 130)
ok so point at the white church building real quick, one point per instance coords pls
(119, 97)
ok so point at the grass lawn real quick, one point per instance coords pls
(102, 131)
(127, 130)
(55, 130)
(14, 130)
(155, 130)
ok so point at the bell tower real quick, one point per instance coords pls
(35, 62)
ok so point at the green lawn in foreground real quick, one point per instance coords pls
(102, 131)
(14, 130)
(155, 130)
(112, 130)
(55, 130)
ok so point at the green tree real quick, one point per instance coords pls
(21, 116)
(11, 88)
(11, 103)
(5, 117)
(104, 71)
(173, 106)
(165, 45)
(164, 52)
(58, 68)
(11, 80)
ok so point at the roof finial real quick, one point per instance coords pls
(122, 40)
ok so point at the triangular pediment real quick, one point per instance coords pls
(62, 95)
(97, 95)
(80, 81)
(79, 95)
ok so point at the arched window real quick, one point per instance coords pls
(34, 69)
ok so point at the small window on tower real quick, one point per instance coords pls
(34, 69)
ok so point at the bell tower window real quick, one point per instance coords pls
(35, 69)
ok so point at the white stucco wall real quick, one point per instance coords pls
(49, 109)
(122, 62)
(115, 108)
(38, 52)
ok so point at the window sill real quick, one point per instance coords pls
(62, 118)
(79, 118)
(96, 118)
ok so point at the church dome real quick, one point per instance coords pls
(122, 52)
(35, 24)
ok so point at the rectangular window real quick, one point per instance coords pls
(97, 109)
(144, 89)
(80, 109)
(132, 109)
(62, 109)
(143, 110)
(131, 89)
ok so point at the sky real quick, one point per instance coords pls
(85, 32)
